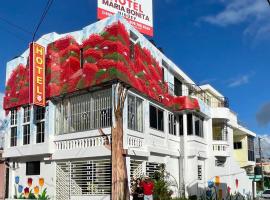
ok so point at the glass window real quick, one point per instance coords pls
(26, 124)
(32, 168)
(40, 132)
(13, 128)
(26, 114)
(135, 113)
(251, 156)
(172, 124)
(177, 87)
(26, 134)
(237, 145)
(13, 136)
(40, 113)
(156, 118)
(198, 123)
(40, 124)
(13, 117)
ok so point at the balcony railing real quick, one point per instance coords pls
(80, 143)
(135, 142)
(220, 148)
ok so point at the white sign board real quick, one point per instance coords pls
(138, 13)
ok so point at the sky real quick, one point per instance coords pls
(225, 43)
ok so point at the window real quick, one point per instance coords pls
(13, 120)
(26, 114)
(163, 75)
(135, 113)
(33, 168)
(251, 156)
(237, 145)
(156, 118)
(220, 162)
(177, 87)
(195, 125)
(189, 124)
(84, 112)
(26, 125)
(40, 124)
(172, 124)
(26, 134)
(13, 128)
(132, 50)
(199, 172)
(198, 126)
(13, 136)
(181, 125)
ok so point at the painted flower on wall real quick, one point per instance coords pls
(22, 192)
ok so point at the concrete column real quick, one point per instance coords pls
(185, 153)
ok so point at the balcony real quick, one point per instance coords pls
(91, 146)
(221, 148)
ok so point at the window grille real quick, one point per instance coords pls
(135, 113)
(151, 168)
(84, 112)
(136, 169)
(83, 178)
(220, 162)
(172, 124)
(26, 125)
(40, 124)
(199, 172)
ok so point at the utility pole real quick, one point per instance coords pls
(260, 153)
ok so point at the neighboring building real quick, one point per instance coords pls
(166, 119)
(3, 170)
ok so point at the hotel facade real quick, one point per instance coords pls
(63, 149)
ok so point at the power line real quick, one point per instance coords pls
(12, 24)
(15, 25)
(46, 9)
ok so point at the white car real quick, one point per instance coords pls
(265, 194)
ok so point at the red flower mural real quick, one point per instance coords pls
(100, 58)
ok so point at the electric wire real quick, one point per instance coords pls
(46, 9)
(15, 25)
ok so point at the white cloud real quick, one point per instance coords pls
(241, 80)
(254, 14)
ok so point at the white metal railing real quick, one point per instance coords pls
(83, 142)
(135, 142)
(220, 148)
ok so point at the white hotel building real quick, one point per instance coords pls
(62, 144)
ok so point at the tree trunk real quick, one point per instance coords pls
(120, 189)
